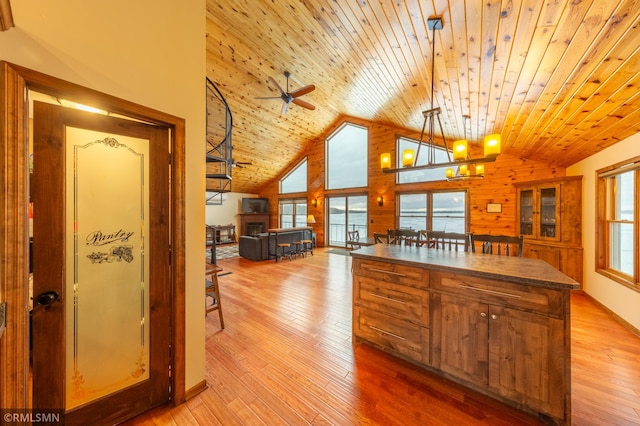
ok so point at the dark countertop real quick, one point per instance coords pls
(505, 268)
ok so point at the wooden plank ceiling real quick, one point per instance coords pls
(558, 79)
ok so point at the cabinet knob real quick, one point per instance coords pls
(494, 316)
(483, 315)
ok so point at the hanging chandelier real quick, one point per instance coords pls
(458, 157)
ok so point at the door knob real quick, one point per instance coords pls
(47, 298)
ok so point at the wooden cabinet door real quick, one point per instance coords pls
(551, 255)
(538, 211)
(526, 361)
(462, 338)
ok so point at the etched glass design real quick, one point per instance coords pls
(107, 269)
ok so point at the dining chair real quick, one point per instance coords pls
(497, 244)
(352, 239)
(212, 291)
(407, 237)
(380, 238)
(453, 241)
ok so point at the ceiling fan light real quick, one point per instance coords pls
(460, 149)
(492, 145)
(407, 158)
(385, 160)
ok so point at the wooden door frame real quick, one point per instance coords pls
(15, 81)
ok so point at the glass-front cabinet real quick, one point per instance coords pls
(549, 215)
(539, 212)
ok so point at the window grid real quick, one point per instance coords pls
(292, 213)
(426, 175)
(434, 210)
(618, 220)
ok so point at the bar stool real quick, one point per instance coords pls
(212, 290)
(307, 246)
(297, 248)
(284, 253)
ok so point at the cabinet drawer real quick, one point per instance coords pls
(392, 272)
(538, 299)
(397, 300)
(395, 335)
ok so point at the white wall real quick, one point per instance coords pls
(151, 52)
(618, 298)
(228, 212)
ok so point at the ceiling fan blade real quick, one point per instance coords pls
(275, 83)
(304, 104)
(285, 107)
(303, 90)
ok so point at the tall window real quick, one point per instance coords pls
(293, 213)
(346, 157)
(426, 175)
(295, 180)
(435, 211)
(618, 219)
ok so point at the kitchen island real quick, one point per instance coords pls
(496, 324)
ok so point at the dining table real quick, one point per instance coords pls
(362, 242)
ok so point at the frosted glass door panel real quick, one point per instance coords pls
(107, 337)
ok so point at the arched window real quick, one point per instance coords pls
(346, 157)
(295, 180)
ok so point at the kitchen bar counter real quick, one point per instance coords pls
(514, 269)
(499, 325)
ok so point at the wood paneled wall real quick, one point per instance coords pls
(496, 187)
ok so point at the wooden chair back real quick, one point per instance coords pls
(380, 238)
(453, 241)
(352, 238)
(407, 237)
(498, 244)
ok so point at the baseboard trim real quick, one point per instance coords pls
(195, 390)
(613, 315)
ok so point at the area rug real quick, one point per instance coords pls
(226, 251)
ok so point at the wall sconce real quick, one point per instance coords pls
(314, 202)
(380, 200)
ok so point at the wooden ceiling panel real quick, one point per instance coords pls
(558, 80)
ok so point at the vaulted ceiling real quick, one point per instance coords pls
(557, 79)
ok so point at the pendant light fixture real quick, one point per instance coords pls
(465, 170)
(460, 148)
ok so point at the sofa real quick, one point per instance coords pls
(259, 246)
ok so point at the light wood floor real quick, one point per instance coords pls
(286, 357)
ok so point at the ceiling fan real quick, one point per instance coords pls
(289, 97)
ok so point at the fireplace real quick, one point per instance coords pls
(253, 223)
(254, 228)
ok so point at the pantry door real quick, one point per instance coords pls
(101, 286)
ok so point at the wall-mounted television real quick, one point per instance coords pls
(255, 205)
